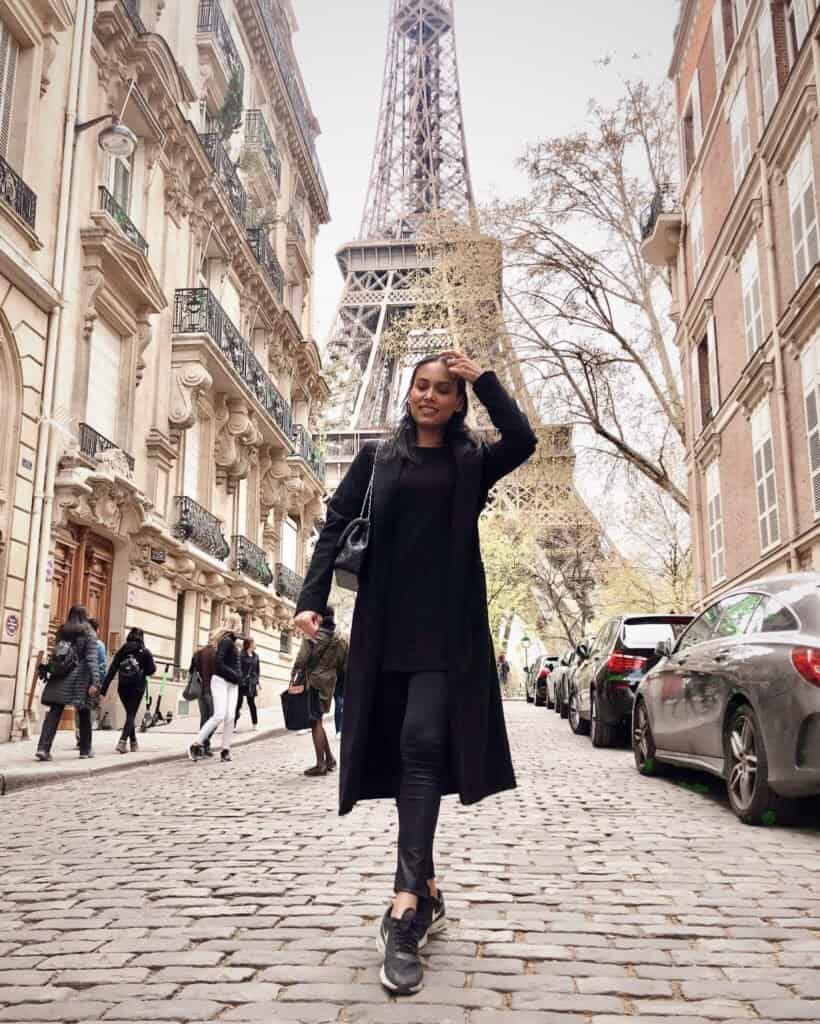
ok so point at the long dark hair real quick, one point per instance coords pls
(76, 624)
(401, 441)
(136, 636)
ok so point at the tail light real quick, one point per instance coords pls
(542, 675)
(807, 662)
(624, 664)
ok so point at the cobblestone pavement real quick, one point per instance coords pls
(234, 893)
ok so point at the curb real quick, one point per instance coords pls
(16, 781)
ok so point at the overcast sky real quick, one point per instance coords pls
(527, 67)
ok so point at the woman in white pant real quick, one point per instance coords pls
(225, 681)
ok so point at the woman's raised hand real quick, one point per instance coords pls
(308, 623)
(460, 365)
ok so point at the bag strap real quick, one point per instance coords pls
(367, 504)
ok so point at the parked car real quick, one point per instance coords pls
(556, 678)
(603, 687)
(738, 695)
(565, 672)
(536, 680)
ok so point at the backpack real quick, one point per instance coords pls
(130, 670)
(63, 659)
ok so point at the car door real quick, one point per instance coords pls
(589, 671)
(714, 673)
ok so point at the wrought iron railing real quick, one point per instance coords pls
(226, 172)
(211, 19)
(288, 583)
(306, 449)
(93, 444)
(124, 222)
(251, 561)
(132, 10)
(196, 311)
(256, 131)
(197, 525)
(295, 228)
(16, 194)
(266, 258)
(291, 81)
(664, 201)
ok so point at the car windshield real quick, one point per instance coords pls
(645, 636)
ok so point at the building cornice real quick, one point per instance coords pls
(682, 33)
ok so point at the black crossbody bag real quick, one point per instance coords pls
(353, 544)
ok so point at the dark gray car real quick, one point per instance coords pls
(738, 695)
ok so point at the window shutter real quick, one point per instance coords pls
(8, 70)
(697, 120)
(104, 380)
(193, 455)
(719, 40)
(242, 508)
(768, 64)
(765, 479)
(714, 389)
(697, 419)
(752, 304)
(741, 138)
(810, 392)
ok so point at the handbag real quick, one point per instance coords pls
(353, 544)
(300, 706)
(194, 688)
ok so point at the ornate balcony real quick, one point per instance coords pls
(661, 227)
(93, 445)
(14, 192)
(211, 21)
(202, 529)
(126, 225)
(266, 258)
(307, 450)
(251, 561)
(196, 311)
(258, 139)
(288, 583)
(226, 172)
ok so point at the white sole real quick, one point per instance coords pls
(395, 988)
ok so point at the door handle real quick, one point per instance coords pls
(722, 656)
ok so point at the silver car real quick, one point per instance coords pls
(739, 696)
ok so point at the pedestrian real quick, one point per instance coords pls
(249, 686)
(94, 703)
(321, 665)
(132, 665)
(225, 681)
(504, 673)
(73, 680)
(203, 663)
(423, 712)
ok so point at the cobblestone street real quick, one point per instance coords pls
(233, 892)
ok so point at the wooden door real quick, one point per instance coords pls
(98, 571)
(83, 571)
(65, 549)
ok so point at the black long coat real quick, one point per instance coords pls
(480, 762)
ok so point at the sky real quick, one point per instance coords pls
(528, 68)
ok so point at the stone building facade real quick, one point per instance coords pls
(158, 376)
(740, 237)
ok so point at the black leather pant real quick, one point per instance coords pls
(131, 699)
(423, 760)
(206, 710)
(244, 695)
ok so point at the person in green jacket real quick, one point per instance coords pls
(321, 664)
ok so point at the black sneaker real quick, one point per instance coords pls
(430, 917)
(195, 751)
(401, 973)
(207, 752)
(225, 755)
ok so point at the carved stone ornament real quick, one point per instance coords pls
(273, 471)
(189, 381)
(237, 436)
(93, 280)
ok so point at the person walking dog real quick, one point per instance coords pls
(322, 665)
(249, 685)
(423, 714)
(225, 681)
(132, 664)
(73, 679)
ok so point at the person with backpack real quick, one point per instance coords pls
(321, 664)
(132, 664)
(73, 679)
(249, 687)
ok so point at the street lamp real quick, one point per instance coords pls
(117, 139)
(525, 643)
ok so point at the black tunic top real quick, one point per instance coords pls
(416, 634)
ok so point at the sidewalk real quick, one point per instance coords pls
(20, 770)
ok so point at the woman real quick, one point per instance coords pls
(73, 679)
(203, 662)
(322, 665)
(133, 664)
(224, 689)
(423, 714)
(249, 686)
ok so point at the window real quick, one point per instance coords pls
(696, 231)
(645, 636)
(735, 612)
(691, 126)
(810, 365)
(701, 630)
(752, 305)
(104, 380)
(290, 544)
(119, 181)
(798, 17)
(765, 481)
(719, 41)
(193, 459)
(9, 54)
(741, 137)
(772, 617)
(803, 212)
(705, 390)
(714, 513)
(284, 642)
(768, 63)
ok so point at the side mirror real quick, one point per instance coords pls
(582, 651)
(663, 648)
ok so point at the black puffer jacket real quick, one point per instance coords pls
(72, 689)
(226, 663)
(143, 656)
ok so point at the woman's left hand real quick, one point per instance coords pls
(460, 365)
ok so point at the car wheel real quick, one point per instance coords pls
(602, 735)
(643, 742)
(747, 773)
(550, 703)
(564, 709)
(529, 699)
(580, 726)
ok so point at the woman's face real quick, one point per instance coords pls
(251, 645)
(434, 396)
